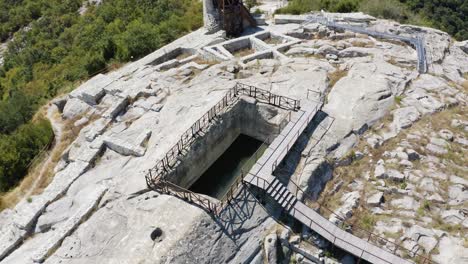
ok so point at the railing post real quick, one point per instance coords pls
(179, 148)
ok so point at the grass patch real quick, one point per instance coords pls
(362, 44)
(403, 185)
(425, 207)
(398, 99)
(273, 41)
(183, 55)
(335, 76)
(41, 174)
(244, 52)
(439, 223)
(201, 61)
(367, 221)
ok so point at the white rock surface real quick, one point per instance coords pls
(270, 244)
(94, 210)
(75, 108)
(404, 117)
(375, 199)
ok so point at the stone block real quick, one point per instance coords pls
(93, 90)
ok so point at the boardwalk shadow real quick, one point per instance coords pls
(289, 164)
(234, 217)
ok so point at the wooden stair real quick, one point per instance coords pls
(281, 195)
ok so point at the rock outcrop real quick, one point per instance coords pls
(98, 209)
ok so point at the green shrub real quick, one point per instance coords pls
(19, 149)
(64, 48)
(449, 16)
(297, 7)
(403, 185)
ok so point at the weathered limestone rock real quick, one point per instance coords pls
(350, 201)
(119, 228)
(318, 171)
(75, 108)
(55, 239)
(375, 199)
(424, 102)
(380, 171)
(437, 146)
(463, 45)
(96, 128)
(270, 243)
(301, 51)
(446, 134)
(458, 180)
(331, 57)
(374, 141)
(327, 49)
(117, 106)
(406, 202)
(451, 250)
(83, 152)
(435, 198)
(412, 155)
(127, 147)
(429, 82)
(393, 225)
(364, 96)
(47, 220)
(10, 237)
(404, 117)
(428, 184)
(353, 52)
(395, 175)
(93, 90)
(453, 216)
(462, 141)
(428, 243)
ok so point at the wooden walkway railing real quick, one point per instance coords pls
(357, 241)
(369, 247)
(155, 177)
(170, 188)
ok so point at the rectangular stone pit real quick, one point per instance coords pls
(245, 117)
(174, 58)
(241, 46)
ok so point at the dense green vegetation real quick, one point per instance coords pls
(19, 149)
(60, 48)
(448, 15)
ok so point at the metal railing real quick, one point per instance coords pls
(368, 235)
(238, 182)
(170, 188)
(166, 164)
(417, 42)
(358, 232)
(157, 174)
(265, 96)
(290, 144)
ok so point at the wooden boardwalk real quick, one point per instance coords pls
(261, 176)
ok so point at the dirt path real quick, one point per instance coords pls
(38, 175)
(57, 127)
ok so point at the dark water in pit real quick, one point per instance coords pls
(218, 178)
